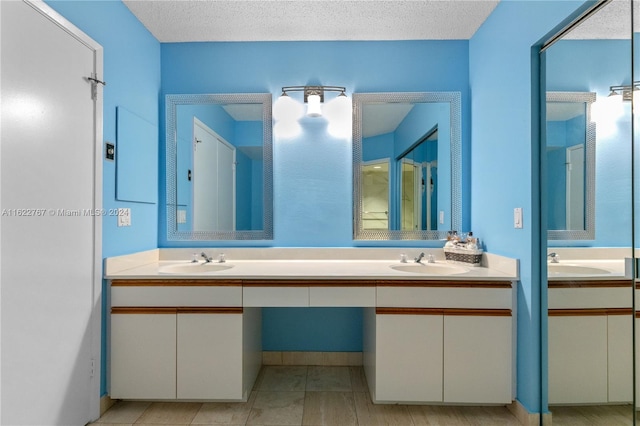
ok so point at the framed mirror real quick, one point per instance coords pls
(571, 151)
(406, 165)
(219, 167)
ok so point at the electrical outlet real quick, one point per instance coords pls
(124, 217)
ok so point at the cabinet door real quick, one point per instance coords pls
(143, 356)
(408, 358)
(209, 361)
(477, 359)
(578, 359)
(620, 358)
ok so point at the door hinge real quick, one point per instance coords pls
(94, 85)
(92, 369)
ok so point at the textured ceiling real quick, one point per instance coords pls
(299, 20)
(613, 21)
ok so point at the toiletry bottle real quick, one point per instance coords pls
(449, 242)
(472, 242)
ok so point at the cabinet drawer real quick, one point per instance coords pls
(289, 296)
(444, 297)
(176, 295)
(342, 296)
(589, 298)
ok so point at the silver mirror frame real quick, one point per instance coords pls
(589, 232)
(454, 100)
(172, 101)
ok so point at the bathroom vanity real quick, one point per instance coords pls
(433, 333)
(590, 321)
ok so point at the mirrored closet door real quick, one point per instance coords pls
(587, 186)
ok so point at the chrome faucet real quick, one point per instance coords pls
(554, 257)
(206, 258)
(419, 258)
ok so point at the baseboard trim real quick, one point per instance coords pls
(523, 415)
(312, 358)
(105, 403)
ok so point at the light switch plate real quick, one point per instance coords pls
(517, 218)
(182, 216)
(124, 217)
(441, 217)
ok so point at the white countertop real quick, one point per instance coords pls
(314, 269)
(153, 264)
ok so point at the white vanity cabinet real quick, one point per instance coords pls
(208, 351)
(409, 357)
(478, 350)
(143, 354)
(440, 341)
(590, 356)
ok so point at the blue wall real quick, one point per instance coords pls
(505, 160)
(132, 73)
(313, 172)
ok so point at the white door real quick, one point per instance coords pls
(213, 180)
(205, 177)
(50, 170)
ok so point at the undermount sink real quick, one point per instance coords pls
(563, 268)
(194, 268)
(430, 268)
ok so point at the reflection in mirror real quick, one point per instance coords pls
(590, 316)
(418, 185)
(219, 171)
(571, 145)
(375, 194)
(406, 165)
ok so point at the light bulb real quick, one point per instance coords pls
(338, 112)
(286, 108)
(313, 106)
(338, 108)
(287, 129)
(606, 112)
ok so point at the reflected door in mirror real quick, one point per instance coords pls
(214, 180)
(219, 170)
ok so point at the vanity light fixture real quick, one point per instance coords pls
(313, 97)
(625, 91)
(287, 111)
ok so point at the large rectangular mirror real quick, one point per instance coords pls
(219, 168)
(406, 165)
(571, 174)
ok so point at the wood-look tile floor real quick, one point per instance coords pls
(592, 415)
(300, 395)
